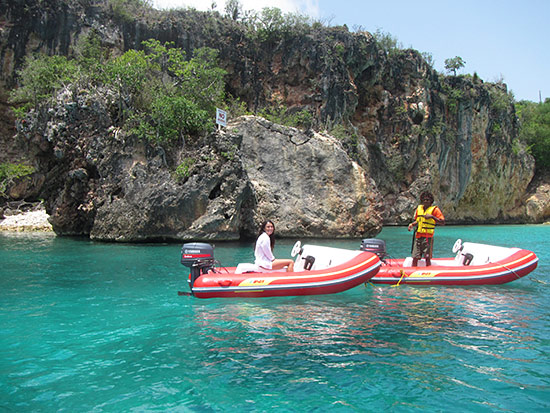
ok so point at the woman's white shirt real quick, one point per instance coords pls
(262, 252)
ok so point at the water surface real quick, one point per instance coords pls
(99, 327)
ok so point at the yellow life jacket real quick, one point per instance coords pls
(425, 225)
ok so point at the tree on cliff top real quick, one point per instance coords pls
(233, 9)
(454, 64)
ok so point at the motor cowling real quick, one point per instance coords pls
(374, 245)
(197, 254)
(199, 257)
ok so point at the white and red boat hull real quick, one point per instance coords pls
(226, 282)
(502, 266)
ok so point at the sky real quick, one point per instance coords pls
(500, 40)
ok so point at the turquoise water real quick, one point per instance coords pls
(100, 327)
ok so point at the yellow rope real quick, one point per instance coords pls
(398, 282)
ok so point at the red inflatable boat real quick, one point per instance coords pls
(317, 270)
(473, 264)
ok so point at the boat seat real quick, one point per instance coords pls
(409, 262)
(248, 267)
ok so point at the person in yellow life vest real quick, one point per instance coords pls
(426, 217)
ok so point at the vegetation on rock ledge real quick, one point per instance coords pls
(160, 94)
(9, 172)
(535, 130)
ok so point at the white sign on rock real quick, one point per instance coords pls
(221, 117)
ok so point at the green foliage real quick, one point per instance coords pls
(454, 96)
(202, 79)
(501, 101)
(280, 114)
(163, 57)
(271, 24)
(237, 107)
(90, 54)
(233, 9)
(171, 118)
(9, 172)
(401, 110)
(339, 131)
(428, 57)
(517, 147)
(162, 96)
(436, 128)
(496, 128)
(387, 42)
(348, 136)
(183, 170)
(40, 77)
(535, 130)
(230, 154)
(186, 103)
(454, 64)
(126, 10)
(128, 72)
(340, 50)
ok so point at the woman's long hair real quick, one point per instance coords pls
(271, 237)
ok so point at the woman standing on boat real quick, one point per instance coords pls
(263, 250)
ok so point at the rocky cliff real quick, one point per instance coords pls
(407, 129)
(115, 187)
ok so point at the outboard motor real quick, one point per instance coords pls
(374, 245)
(198, 256)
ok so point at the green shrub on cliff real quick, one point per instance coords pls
(501, 99)
(271, 24)
(280, 114)
(171, 118)
(126, 10)
(161, 95)
(127, 75)
(184, 169)
(39, 78)
(387, 42)
(184, 102)
(90, 54)
(535, 130)
(10, 171)
(201, 79)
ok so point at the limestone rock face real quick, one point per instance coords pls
(112, 186)
(305, 182)
(538, 205)
(464, 149)
(538, 199)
